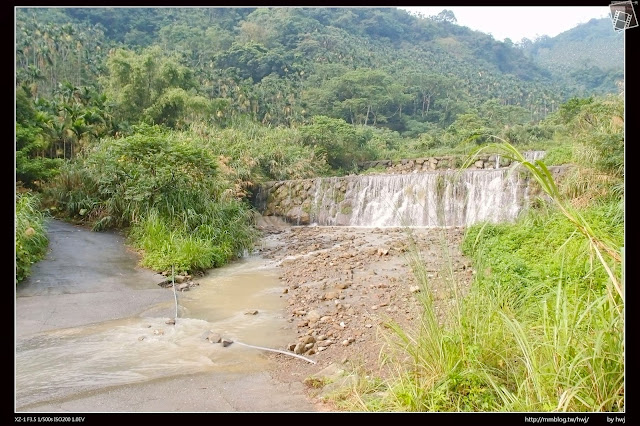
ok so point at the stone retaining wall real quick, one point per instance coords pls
(495, 195)
(485, 161)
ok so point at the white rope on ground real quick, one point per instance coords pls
(278, 351)
(175, 296)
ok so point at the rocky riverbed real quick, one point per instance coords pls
(344, 285)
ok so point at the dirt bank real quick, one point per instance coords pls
(344, 284)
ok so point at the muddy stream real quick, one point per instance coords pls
(242, 302)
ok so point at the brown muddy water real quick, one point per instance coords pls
(63, 362)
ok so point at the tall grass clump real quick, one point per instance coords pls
(30, 233)
(167, 190)
(251, 153)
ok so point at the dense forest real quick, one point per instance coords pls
(588, 57)
(286, 65)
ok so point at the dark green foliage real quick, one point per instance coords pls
(148, 170)
(122, 24)
(154, 88)
(384, 53)
(340, 142)
(52, 49)
(528, 134)
(588, 58)
(31, 167)
(568, 110)
(592, 79)
(252, 153)
(253, 60)
(154, 177)
(30, 233)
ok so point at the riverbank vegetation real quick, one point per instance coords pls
(542, 328)
(31, 236)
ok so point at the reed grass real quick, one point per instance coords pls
(167, 190)
(30, 233)
(542, 327)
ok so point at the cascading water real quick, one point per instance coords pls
(533, 155)
(436, 199)
(427, 199)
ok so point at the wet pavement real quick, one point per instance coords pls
(89, 278)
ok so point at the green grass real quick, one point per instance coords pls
(538, 331)
(219, 237)
(541, 329)
(30, 234)
(164, 187)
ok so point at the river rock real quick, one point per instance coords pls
(313, 316)
(165, 283)
(299, 348)
(307, 339)
(331, 295)
(382, 251)
(214, 337)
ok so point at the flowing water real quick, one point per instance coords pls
(426, 199)
(64, 362)
(69, 361)
(436, 199)
(444, 198)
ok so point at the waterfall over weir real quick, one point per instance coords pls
(426, 199)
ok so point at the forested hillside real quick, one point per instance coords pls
(378, 66)
(589, 57)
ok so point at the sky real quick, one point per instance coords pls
(519, 21)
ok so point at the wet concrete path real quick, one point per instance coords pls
(91, 278)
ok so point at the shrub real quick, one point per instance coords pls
(30, 234)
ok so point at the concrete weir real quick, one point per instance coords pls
(426, 199)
